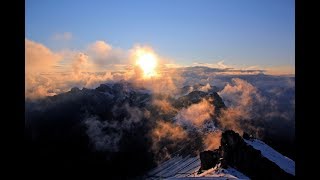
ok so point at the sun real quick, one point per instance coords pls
(147, 62)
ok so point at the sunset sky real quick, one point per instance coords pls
(130, 85)
(239, 33)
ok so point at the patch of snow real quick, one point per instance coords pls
(236, 173)
(218, 172)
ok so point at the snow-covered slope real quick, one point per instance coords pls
(282, 161)
(187, 168)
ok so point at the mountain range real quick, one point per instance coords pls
(127, 130)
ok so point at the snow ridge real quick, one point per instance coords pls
(282, 161)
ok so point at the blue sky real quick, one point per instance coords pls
(246, 32)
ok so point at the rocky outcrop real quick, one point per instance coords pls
(209, 159)
(246, 136)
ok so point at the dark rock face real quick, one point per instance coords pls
(246, 136)
(208, 159)
(245, 158)
(75, 89)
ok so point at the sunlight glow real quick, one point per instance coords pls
(147, 62)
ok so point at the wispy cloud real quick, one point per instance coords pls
(240, 97)
(196, 114)
(280, 70)
(218, 65)
(248, 69)
(65, 36)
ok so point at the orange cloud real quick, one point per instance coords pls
(231, 118)
(39, 58)
(197, 114)
(164, 106)
(212, 140)
(240, 97)
(100, 48)
(168, 130)
(281, 70)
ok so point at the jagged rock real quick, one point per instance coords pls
(207, 160)
(104, 88)
(247, 136)
(75, 89)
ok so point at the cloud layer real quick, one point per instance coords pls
(248, 93)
